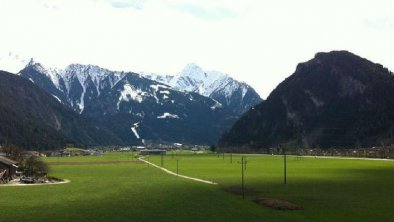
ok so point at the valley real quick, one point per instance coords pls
(124, 190)
(196, 110)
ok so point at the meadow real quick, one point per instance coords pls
(125, 189)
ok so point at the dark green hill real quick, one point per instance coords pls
(337, 99)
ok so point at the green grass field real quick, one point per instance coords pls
(327, 189)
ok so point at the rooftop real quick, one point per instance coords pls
(7, 161)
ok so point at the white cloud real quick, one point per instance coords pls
(204, 13)
(257, 41)
(138, 4)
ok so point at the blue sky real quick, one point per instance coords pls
(256, 41)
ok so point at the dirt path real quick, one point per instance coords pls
(178, 175)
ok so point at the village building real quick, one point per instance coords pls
(125, 149)
(8, 167)
(31, 153)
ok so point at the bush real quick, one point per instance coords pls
(34, 167)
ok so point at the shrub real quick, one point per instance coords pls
(34, 167)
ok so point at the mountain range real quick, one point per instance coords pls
(137, 108)
(337, 99)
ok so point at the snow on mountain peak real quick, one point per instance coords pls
(82, 72)
(193, 78)
(95, 73)
(86, 76)
(198, 74)
(52, 73)
(92, 70)
(214, 84)
(194, 70)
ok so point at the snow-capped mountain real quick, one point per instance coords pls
(84, 83)
(76, 85)
(132, 106)
(229, 92)
(150, 107)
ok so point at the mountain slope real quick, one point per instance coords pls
(337, 99)
(33, 119)
(232, 94)
(49, 80)
(154, 111)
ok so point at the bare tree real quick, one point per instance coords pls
(12, 152)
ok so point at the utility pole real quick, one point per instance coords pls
(285, 165)
(177, 167)
(243, 179)
(245, 162)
